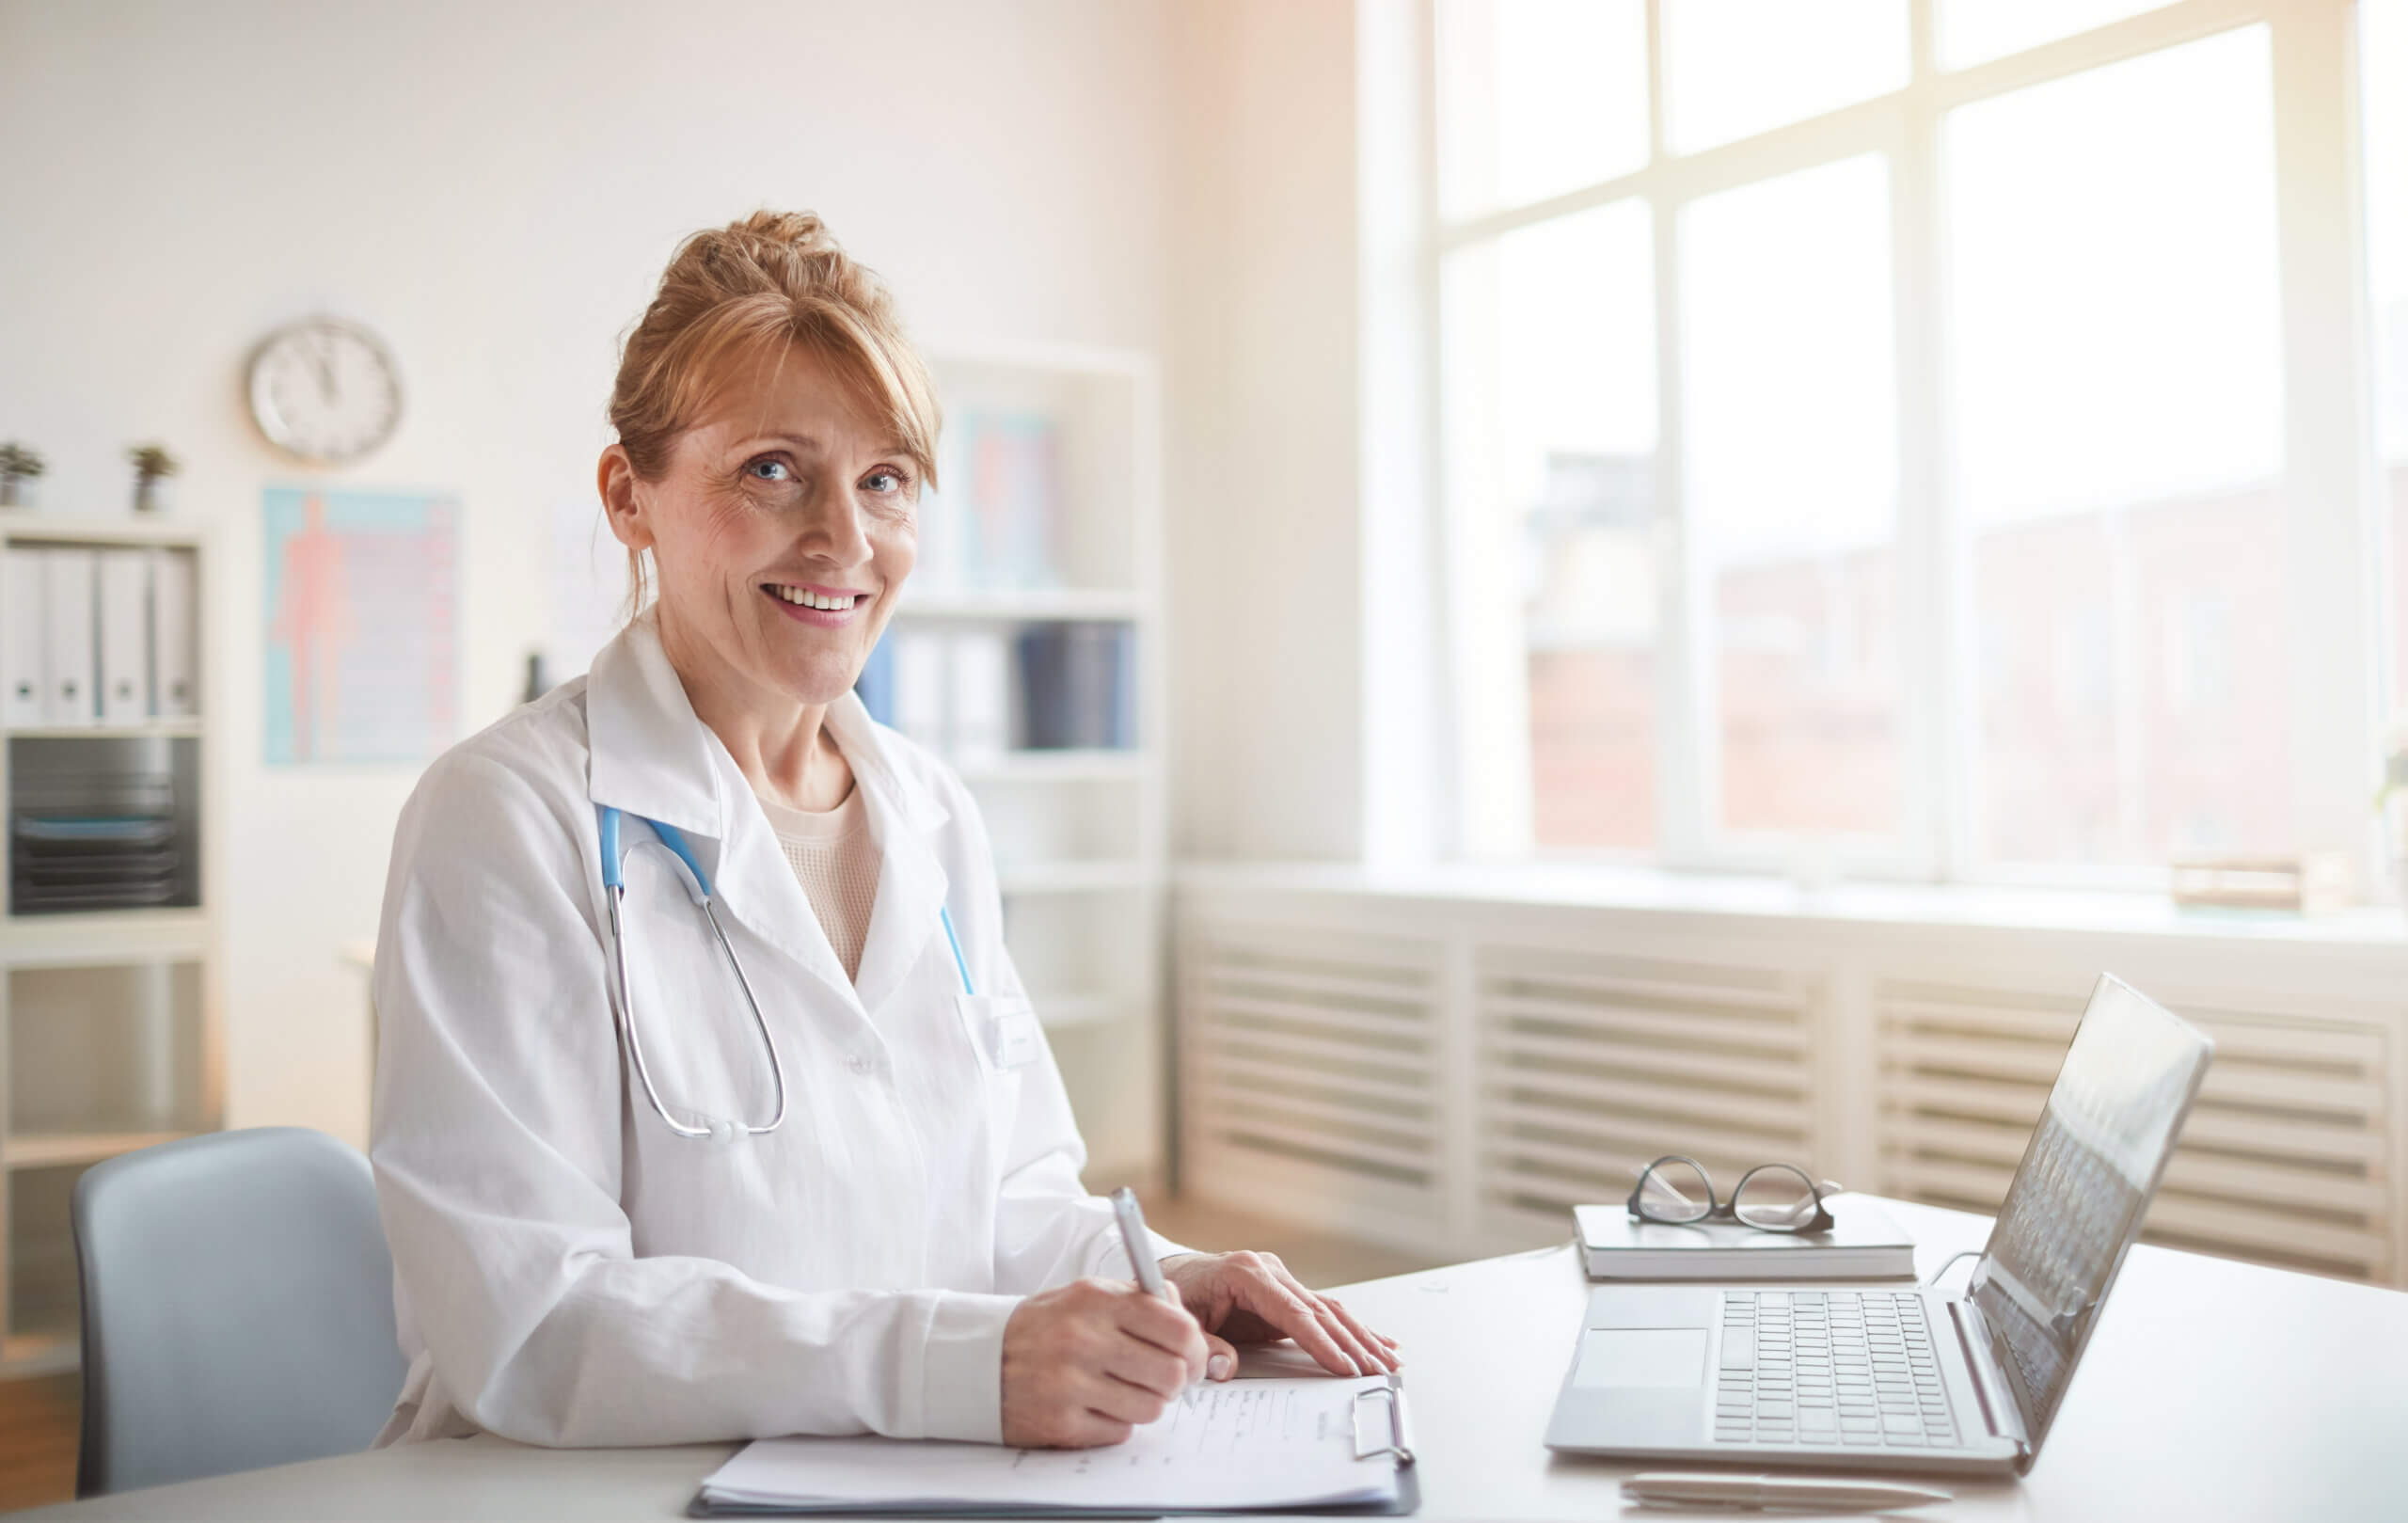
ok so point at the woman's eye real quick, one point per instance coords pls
(768, 471)
(883, 480)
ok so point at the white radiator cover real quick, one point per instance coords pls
(1449, 1074)
(1592, 1066)
(2284, 1159)
(1308, 1073)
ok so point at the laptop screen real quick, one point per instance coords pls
(2082, 1189)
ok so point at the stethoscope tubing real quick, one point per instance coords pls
(614, 896)
(614, 886)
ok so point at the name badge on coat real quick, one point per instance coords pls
(1003, 1026)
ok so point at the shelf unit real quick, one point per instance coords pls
(1023, 605)
(109, 1023)
(1080, 836)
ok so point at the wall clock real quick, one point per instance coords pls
(325, 389)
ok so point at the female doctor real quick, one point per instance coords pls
(708, 1103)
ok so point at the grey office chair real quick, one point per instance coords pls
(238, 1307)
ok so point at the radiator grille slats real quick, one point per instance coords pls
(2283, 1158)
(1320, 1020)
(1308, 1061)
(1232, 1071)
(1433, 1078)
(1592, 1065)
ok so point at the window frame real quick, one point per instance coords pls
(2328, 474)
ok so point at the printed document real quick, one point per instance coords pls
(1238, 1444)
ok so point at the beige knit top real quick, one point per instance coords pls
(834, 858)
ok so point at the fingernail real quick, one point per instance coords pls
(1218, 1366)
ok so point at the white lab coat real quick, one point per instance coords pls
(570, 1272)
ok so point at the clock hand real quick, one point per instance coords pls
(325, 368)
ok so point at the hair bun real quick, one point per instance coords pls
(770, 279)
(801, 232)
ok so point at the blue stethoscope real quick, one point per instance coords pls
(698, 884)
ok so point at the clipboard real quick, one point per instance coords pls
(1381, 1426)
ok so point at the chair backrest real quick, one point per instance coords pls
(238, 1307)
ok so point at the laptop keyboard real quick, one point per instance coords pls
(1852, 1368)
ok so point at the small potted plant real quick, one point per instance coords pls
(17, 465)
(153, 465)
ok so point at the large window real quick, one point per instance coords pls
(1880, 424)
(2115, 389)
(1733, 67)
(1790, 433)
(1553, 395)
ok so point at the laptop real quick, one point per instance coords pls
(1894, 1377)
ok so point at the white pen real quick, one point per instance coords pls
(1139, 1243)
(1693, 1490)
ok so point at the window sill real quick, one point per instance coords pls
(1758, 897)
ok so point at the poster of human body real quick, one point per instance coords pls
(359, 598)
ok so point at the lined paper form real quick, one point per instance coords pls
(1242, 1444)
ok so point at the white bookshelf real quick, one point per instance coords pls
(1080, 834)
(109, 1025)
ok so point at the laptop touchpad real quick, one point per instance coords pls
(1624, 1357)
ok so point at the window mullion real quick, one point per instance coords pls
(1685, 753)
(2329, 471)
(1934, 632)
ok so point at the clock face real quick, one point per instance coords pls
(326, 391)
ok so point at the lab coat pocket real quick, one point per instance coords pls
(1003, 1027)
(701, 1043)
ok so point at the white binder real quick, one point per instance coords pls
(67, 587)
(25, 671)
(979, 706)
(125, 636)
(174, 634)
(920, 686)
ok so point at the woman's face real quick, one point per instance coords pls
(782, 531)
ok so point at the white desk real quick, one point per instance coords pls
(2212, 1391)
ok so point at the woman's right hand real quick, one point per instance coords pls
(1086, 1362)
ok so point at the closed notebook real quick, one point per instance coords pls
(1862, 1244)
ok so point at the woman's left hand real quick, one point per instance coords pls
(1251, 1298)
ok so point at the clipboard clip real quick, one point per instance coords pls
(1400, 1431)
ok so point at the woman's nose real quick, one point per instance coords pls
(837, 528)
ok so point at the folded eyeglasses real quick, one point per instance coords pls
(1770, 1197)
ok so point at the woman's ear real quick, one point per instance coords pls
(622, 499)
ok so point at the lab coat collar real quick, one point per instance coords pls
(647, 753)
(911, 883)
(652, 757)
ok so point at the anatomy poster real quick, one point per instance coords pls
(359, 599)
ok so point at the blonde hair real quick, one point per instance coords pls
(758, 288)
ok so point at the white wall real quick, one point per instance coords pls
(1265, 479)
(1302, 528)
(494, 187)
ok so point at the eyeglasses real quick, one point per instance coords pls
(1771, 1197)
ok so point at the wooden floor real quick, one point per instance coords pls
(38, 1417)
(37, 1427)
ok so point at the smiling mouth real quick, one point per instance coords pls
(825, 602)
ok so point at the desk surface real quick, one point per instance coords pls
(2210, 1391)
